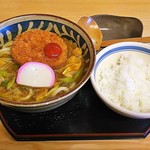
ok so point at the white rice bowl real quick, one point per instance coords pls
(121, 78)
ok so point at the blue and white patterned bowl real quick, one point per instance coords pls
(108, 56)
(12, 27)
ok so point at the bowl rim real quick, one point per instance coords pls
(121, 110)
(72, 91)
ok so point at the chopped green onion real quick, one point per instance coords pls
(76, 76)
(66, 80)
(4, 83)
(4, 73)
(11, 83)
(79, 73)
(8, 83)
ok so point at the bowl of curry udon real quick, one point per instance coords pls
(44, 61)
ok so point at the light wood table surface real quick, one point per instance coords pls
(73, 10)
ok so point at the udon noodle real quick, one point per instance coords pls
(66, 77)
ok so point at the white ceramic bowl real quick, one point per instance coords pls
(12, 27)
(108, 56)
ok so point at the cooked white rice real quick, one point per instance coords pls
(127, 83)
